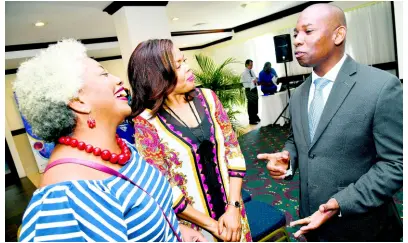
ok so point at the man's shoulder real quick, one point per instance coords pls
(370, 70)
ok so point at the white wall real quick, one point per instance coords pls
(191, 59)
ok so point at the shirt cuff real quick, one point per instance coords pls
(289, 171)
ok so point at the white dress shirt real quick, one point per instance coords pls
(247, 80)
(330, 75)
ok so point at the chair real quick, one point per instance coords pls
(266, 222)
(246, 197)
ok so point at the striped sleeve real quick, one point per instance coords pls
(50, 218)
(71, 213)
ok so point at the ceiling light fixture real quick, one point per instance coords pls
(175, 19)
(39, 24)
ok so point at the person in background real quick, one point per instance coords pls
(346, 137)
(249, 81)
(186, 133)
(266, 79)
(88, 191)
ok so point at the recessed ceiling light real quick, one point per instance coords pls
(175, 19)
(39, 24)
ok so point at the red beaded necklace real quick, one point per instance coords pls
(106, 155)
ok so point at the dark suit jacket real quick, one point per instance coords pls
(356, 153)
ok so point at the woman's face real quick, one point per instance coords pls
(104, 93)
(185, 77)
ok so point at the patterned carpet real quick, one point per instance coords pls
(282, 194)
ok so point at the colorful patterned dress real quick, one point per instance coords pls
(172, 148)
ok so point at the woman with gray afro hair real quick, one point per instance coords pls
(96, 186)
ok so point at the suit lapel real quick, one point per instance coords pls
(304, 100)
(341, 88)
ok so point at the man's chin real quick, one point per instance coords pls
(304, 64)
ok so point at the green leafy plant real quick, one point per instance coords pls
(226, 85)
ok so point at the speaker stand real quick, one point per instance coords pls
(287, 105)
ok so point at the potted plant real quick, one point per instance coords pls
(225, 83)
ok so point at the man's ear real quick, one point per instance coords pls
(79, 106)
(340, 35)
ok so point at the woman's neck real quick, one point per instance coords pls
(103, 137)
(176, 100)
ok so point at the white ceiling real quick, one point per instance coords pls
(89, 20)
(86, 20)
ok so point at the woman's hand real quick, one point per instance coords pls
(230, 224)
(191, 235)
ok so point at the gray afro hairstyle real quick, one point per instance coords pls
(45, 85)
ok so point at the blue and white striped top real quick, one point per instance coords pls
(103, 210)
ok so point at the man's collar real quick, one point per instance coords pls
(333, 72)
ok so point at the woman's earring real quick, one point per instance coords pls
(91, 122)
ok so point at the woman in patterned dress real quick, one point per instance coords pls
(71, 99)
(186, 133)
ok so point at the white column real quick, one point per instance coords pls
(137, 24)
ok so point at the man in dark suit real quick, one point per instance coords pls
(346, 138)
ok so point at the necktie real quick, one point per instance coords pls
(250, 73)
(317, 105)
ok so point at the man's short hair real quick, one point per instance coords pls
(248, 61)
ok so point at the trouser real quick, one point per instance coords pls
(252, 98)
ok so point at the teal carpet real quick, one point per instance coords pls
(281, 194)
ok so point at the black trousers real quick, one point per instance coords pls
(252, 97)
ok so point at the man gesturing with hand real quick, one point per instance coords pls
(278, 164)
(346, 137)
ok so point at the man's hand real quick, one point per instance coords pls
(325, 212)
(231, 220)
(278, 163)
(191, 235)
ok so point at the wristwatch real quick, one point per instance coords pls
(235, 204)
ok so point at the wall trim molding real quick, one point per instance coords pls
(11, 71)
(200, 32)
(206, 45)
(276, 16)
(18, 132)
(98, 59)
(43, 45)
(102, 59)
(116, 5)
